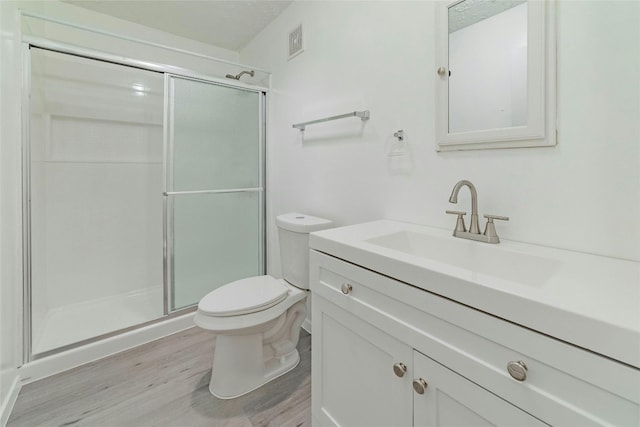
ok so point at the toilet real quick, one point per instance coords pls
(257, 320)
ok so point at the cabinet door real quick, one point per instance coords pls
(451, 400)
(353, 378)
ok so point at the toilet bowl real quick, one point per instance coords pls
(257, 320)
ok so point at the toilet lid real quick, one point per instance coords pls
(244, 296)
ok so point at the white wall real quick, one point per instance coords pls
(583, 194)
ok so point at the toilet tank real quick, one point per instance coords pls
(293, 234)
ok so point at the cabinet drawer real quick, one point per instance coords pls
(564, 385)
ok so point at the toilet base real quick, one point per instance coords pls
(243, 363)
(242, 387)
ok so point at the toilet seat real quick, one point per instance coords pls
(244, 296)
(245, 323)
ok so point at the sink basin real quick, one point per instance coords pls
(479, 258)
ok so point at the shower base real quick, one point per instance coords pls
(54, 350)
(78, 322)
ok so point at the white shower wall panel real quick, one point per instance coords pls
(103, 230)
(80, 139)
(101, 217)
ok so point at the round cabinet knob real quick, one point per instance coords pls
(399, 369)
(517, 370)
(442, 71)
(346, 288)
(419, 385)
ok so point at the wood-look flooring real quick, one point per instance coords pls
(163, 383)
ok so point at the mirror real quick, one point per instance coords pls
(487, 44)
(495, 83)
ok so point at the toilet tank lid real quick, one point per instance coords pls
(302, 223)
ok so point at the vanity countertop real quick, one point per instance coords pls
(587, 300)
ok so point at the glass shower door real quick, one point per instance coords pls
(215, 198)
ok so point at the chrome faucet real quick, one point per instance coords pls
(489, 235)
(473, 228)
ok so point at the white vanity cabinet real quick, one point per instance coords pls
(373, 337)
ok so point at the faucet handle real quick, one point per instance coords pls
(490, 228)
(460, 227)
(490, 218)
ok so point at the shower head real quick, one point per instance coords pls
(237, 76)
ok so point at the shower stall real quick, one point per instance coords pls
(143, 189)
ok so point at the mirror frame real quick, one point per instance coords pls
(540, 130)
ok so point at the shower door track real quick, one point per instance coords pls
(95, 54)
(167, 70)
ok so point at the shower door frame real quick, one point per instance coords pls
(168, 71)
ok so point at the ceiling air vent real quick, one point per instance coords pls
(295, 42)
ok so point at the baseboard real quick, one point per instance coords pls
(10, 400)
(56, 363)
(306, 325)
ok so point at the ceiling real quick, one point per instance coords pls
(230, 24)
(469, 12)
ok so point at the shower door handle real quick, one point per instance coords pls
(227, 190)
